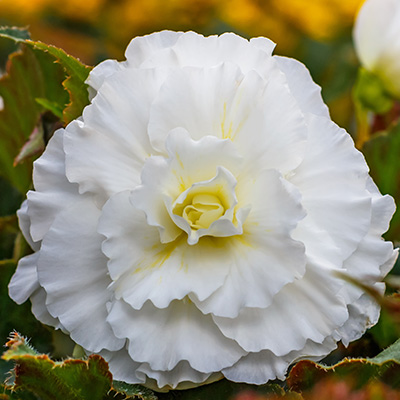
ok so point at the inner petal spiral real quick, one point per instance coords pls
(203, 211)
(208, 208)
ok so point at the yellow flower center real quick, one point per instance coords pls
(203, 210)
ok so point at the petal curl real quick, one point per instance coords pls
(24, 220)
(25, 280)
(144, 49)
(100, 73)
(363, 313)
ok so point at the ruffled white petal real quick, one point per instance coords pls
(257, 368)
(40, 311)
(24, 221)
(53, 191)
(307, 309)
(182, 333)
(182, 377)
(100, 73)
(179, 105)
(177, 49)
(233, 106)
(265, 122)
(332, 179)
(195, 50)
(72, 270)
(302, 87)
(363, 313)
(114, 132)
(145, 48)
(25, 280)
(122, 366)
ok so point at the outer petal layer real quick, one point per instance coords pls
(73, 272)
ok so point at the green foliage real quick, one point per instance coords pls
(40, 78)
(29, 74)
(370, 93)
(382, 154)
(76, 74)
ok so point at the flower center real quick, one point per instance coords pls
(201, 211)
(208, 208)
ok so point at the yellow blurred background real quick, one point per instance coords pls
(90, 28)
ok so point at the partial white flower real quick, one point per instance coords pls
(191, 224)
(377, 41)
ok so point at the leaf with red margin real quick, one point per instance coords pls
(385, 367)
(70, 379)
(76, 73)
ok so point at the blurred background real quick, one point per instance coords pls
(318, 33)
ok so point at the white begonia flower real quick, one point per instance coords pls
(377, 41)
(191, 224)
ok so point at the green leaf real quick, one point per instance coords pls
(392, 353)
(30, 75)
(51, 106)
(39, 78)
(76, 73)
(70, 379)
(15, 33)
(7, 394)
(384, 367)
(382, 155)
